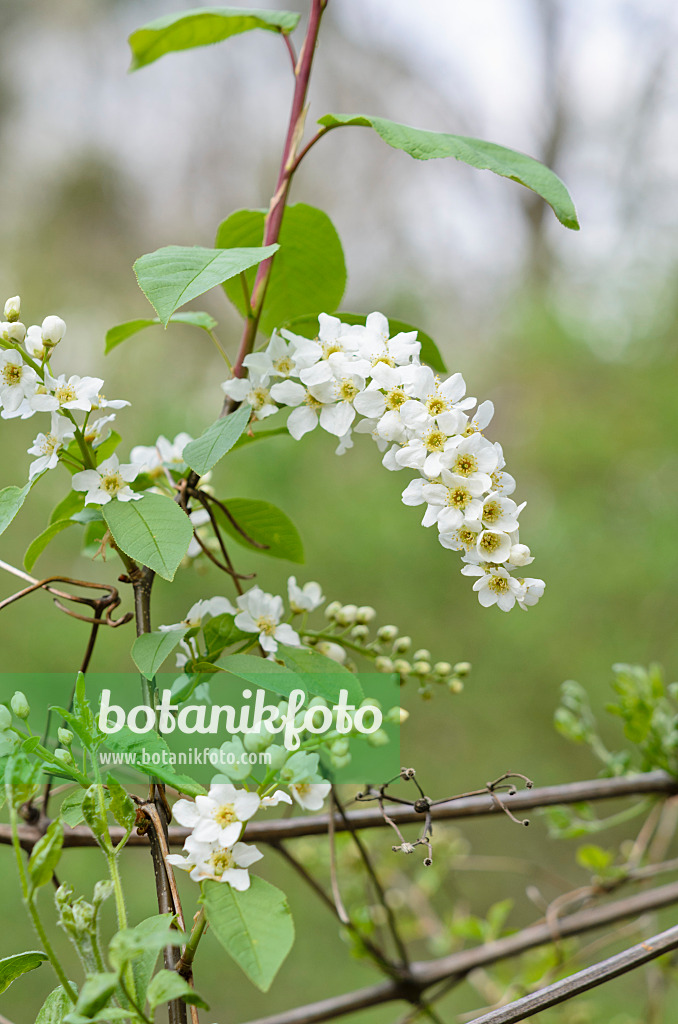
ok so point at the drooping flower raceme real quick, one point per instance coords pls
(357, 378)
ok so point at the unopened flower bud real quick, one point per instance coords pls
(462, 668)
(397, 715)
(83, 916)
(365, 614)
(347, 615)
(402, 667)
(442, 669)
(421, 668)
(63, 755)
(455, 685)
(65, 737)
(5, 718)
(378, 739)
(13, 309)
(332, 609)
(387, 633)
(333, 651)
(340, 747)
(102, 891)
(520, 555)
(371, 702)
(15, 332)
(19, 705)
(421, 655)
(360, 632)
(402, 645)
(53, 330)
(383, 664)
(63, 894)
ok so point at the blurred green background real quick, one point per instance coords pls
(572, 337)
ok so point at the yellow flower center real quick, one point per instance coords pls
(11, 374)
(331, 346)
(465, 464)
(395, 398)
(458, 497)
(112, 483)
(313, 403)
(435, 441)
(220, 861)
(498, 584)
(283, 365)
(491, 511)
(49, 445)
(224, 815)
(258, 397)
(266, 625)
(65, 393)
(435, 405)
(467, 537)
(347, 390)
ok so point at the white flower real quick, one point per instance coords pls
(434, 403)
(453, 501)
(495, 586)
(500, 513)
(199, 517)
(146, 457)
(13, 332)
(107, 481)
(218, 817)
(312, 357)
(48, 446)
(17, 380)
(464, 538)
(306, 598)
(261, 613)
(98, 430)
(470, 456)
(276, 360)
(252, 390)
(426, 453)
(74, 393)
(163, 453)
(41, 340)
(493, 546)
(279, 797)
(534, 589)
(209, 860)
(374, 342)
(310, 795)
(101, 402)
(198, 612)
(313, 404)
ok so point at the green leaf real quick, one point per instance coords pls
(116, 335)
(141, 747)
(172, 276)
(219, 438)
(322, 676)
(167, 985)
(152, 530)
(425, 145)
(309, 272)
(37, 546)
(594, 858)
(12, 967)
(54, 1008)
(153, 934)
(255, 927)
(122, 807)
(150, 650)
(46, 854)
(95, 994)
(11, 500)
(265, 525)
(69, 506)
(220, 632)
(266, 674)
(71, 808)
(91, 812)
(201, 27)
(259, 435)
(307, 327)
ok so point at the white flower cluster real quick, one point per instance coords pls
(27, 387)
(354, 377)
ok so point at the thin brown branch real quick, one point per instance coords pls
(108, 603)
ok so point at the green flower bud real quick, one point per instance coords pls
(365, 614)
(340, 747)
(5, 718)
(378, 739)
(371, 702)
(462, 668)
(402, 667)
(19, 705)
(65, 737)
(360, 632)
(334, 651)
(442, 669)
(421, 668)
(455, 685)
(397, 715)
(383, 664)
(63, 894)
(332, 609)
(347, 615)
(402, 645)
(421, 655)
(102, 891)
(340, 761)
(387, 633)
(13, 309)
(63, 755)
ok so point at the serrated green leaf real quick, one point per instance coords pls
(220, 632)
(95, 994)
(121, 332)
(150, 650)
(172, 276)
(309, 272)
(69, 506)
(152, 934)
(273, 533)
(321, 676)
(508, 163)
(37, 546)
(45, 855)
(54, 1008)
(11, 500)
(122, 807)
(307, 327)
(204, 453)
(141, 748)
(255, 927)
(202, 27)
(266, 674)
(12, 967)
(167, 985)
(153, 531)
(71, 808)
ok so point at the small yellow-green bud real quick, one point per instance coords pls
(421, 655)
(402, 667)
(63, 755)
(378, 738)
(102, 891)
(388, 633)
(371, 702)
(19, 705)
(360, 632)
(397, 715)
(421, 668)
(340, 747)
(383, 664)
(462, 668)
(402, 645)
(333, 651)
(13, 309)
(63, 894)
(455, 685)
(65, 737)
(332, 609)
(347, 614)
(442, 669)
(365, 614)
